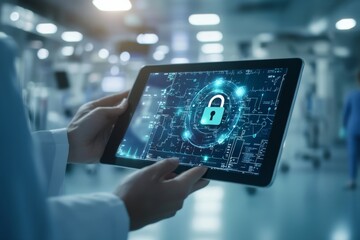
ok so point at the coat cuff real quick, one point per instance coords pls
(60, 139)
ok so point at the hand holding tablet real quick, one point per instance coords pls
(229, 116)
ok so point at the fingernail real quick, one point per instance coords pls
(173, 160)
(203, 168)
(123, 102)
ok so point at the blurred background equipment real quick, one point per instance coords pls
(75, 51)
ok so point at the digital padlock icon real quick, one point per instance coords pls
(213, 115)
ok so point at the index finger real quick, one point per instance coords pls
(190, 177)
(112, 100)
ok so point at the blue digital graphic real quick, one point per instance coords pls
(169, 120)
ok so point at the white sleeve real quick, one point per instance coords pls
(95, 216)
(54, 149)
(24, 211)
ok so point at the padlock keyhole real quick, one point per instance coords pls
(212, 115)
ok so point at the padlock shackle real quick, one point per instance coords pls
(215, 97)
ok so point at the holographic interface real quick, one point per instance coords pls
(221, 119)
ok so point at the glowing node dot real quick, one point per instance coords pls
(219, 82)
(254, 135)
(206, 158)
(240, 91)
(186, 135)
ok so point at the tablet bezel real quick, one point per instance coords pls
(287, 97)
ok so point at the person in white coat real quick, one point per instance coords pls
(30, 207)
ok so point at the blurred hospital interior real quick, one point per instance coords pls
(73, 51)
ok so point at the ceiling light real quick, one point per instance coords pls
(113, 59)
(43, 53)
(158, 56)
(209, 36)
(103, 53)
(163, 48)
(67, 51)
(125, 56)
(72, 36)
(204, 19)
(179, 60)
(210, 48)
(147, 38)
(345, 24)
(112, 5)
(14, 16)
(115, 70)
(89, 47)
(46, 28)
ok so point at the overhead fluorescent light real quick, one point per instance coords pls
(14, 16)
(103, 53)
(67, 51)
(71, 36)
(345, 24)
(125, 56)
(113, 59)
(46, 28)
(163, 48)
(112, 5)
(147, 38)
(210, 48)
(209, 36)
(204, 19)
(89, 47)
(114, 70)
(159, 56)
(43, 53)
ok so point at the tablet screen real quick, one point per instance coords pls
(221, 119)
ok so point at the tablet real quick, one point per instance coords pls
(229, 116)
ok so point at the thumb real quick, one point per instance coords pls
(191, 176)
(163, 167)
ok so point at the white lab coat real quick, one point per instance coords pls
(30, 181)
